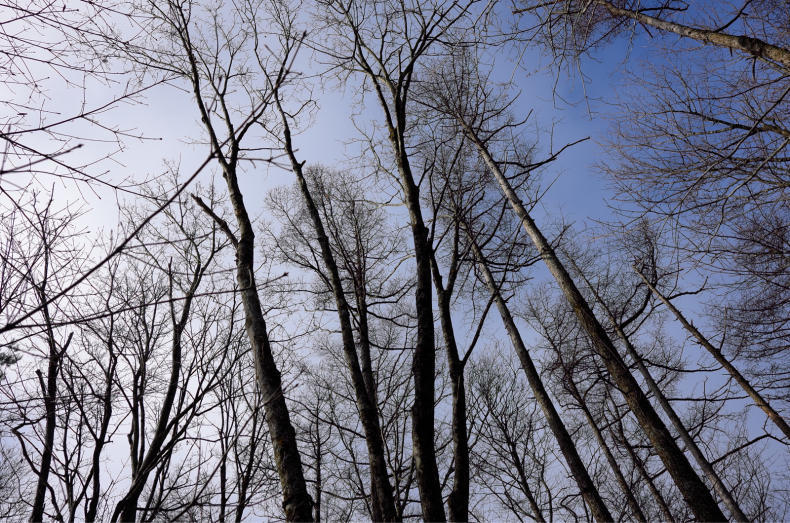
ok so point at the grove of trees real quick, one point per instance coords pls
(309, 260)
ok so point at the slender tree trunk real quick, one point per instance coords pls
(318, 478)
(126, 509)
(366, 367)
(633, 504)
(249, 470)
(690, 485)
(424, 360)
(568, 448)
(95, 473)
(366, 364)
(458, 502)
(516, 458)
(50, 391)
(296, 501)
(747, 44)
(743, 43)
(739, 378)
(666, 514)
(383, 501)
(223, 465)
(703, 463)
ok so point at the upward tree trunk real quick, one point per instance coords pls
(703, 463)
(739, 378)
(126, 509)
(383, 501)
(693, 490)
(366, 366)
(297, 504)
(296, 501)
(743, 43)
(568, 448)
(49, 390)
(602, 443)
(458, 502)
(424, 360)
(666, 514)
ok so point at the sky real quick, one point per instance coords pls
(565, 108)
(167, 119)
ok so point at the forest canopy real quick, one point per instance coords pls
(386, 260)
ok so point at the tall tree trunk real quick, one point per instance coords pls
(633, 504)
(383, 501)
(666, 514)
(458, 502)
(743, 43)
(703, 463)
(722, 360)
(126, 509)
(424, 360)
(296, 501)
(50, 391)
(693, 490)
(366, 367)
(568, 448)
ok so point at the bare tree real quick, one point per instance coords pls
(41, 254)
(384, 507)
(214, 65)
(700, 149)
(198, 256)
(514, 448)
(479, 115)
(387, 43)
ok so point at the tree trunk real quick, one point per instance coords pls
(588, 490)
(126, 509)
(739, 378)
(703, 463)
(690, 485)
(618, 474)
(296, 501)
(50, 391)
(666, 514)
(746, 44)
(458, 502)
(297, 504)
(368, 412)
(424, 360)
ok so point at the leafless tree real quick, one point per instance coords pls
(364, 384)
(514, 449)
(484, 120)
(216, 61)
(700, 149)
(383, 45)
(207, 362)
